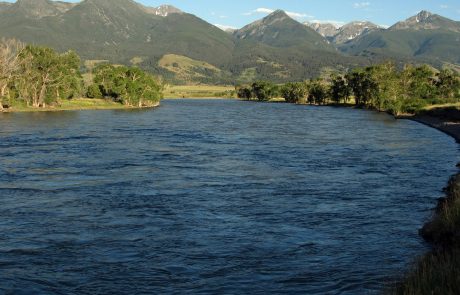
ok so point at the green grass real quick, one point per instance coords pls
(199, 91)
(438, 272)
(435, 273)
(73, 104)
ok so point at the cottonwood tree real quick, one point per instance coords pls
(294, 92)
(48, 76)
(263, 90)
(388, 92)
(448, 83)
(317, 92)
(339, 89)
(128, 85)
(9, 64)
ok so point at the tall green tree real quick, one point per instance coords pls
(448, 83)
(364, 87)
(388, 93)
(294, 92)
(339, 89)
(48, 76)
(263, 90)
(244, 92)
(128, 85)
(317, 92)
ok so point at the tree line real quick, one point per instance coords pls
(383, 87)
(38, 77)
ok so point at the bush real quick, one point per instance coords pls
(94, 91)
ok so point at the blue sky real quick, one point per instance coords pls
(237, 13)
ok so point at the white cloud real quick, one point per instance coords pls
(361, 5)
(444, 6)
(264, 10)
(223, 16)
(336, 23)
(225, 27)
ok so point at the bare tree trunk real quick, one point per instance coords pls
(35, 102)
(41, 97)
(2, 95)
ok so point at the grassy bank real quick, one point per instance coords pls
(71, 105)
(438, 272)
(199, 91)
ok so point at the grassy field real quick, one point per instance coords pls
(199, 91)
(74, 104)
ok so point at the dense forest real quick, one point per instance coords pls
(38, 77)
(383, 87)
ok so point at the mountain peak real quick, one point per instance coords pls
(425, 20)
(326, 30)
(345, 33)
(423, 15)
(277, 14)
(162, 10)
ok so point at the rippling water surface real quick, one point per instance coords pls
(209, 196)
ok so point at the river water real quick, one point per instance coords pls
(214, 197)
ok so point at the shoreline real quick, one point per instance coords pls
(449, 127)
(438, 269)
(76, 105)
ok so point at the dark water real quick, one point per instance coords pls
(220, 197)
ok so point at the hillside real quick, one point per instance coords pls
(121, 31)
(276, 48)
(426, 37)
(279, 30)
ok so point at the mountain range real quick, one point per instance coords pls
(186, 49)
(345, 33)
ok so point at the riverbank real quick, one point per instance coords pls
(79, 104)
(445, 119)
(438, 271)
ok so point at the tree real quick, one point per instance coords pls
(48, 76)
(244, 92)
(128, 85)
(94, 91)
(422, 82)
(339, 89)
(448, 83)
(363, 85)
(388, 94)
(9, 65)
(263, 90)
(318, 92)
(294, 92)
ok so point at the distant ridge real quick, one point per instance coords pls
(425, 37)
(345, 33)
(276, 47)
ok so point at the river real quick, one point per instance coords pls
(215, 197)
